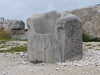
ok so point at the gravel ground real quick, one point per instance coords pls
(10, 44)
(17, 64)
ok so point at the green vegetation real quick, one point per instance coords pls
(86, 38)
(8, 45)
(84, 50)
(3, 46)
(15, 49)
(94, 40)
(2, 42)
(98, 49)
(4, 35)
(98, 45)
(7, 40)
(36, 62)
(88, 45)
(7, 36)
(17, 53)
(26, 29)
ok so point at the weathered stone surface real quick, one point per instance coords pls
(13, 25)
(54, 37)
(43, 45)
(91, 20)
(69, 29)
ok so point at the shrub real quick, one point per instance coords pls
(95, 40)
(86, 38)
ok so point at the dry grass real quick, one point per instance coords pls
(4, 34)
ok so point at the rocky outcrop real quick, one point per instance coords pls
(91, 20)
(14, 26)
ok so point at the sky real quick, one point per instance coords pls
(22, 9)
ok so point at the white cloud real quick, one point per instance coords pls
(21, 9)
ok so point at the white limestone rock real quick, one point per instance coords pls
(54, 37)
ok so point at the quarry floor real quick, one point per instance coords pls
(17, 63)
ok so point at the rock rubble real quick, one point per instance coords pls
(17, 64)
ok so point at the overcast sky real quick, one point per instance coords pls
(22, 9)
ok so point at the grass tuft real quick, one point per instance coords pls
(15, 49)
(88, 45)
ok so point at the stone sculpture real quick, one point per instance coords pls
(54, 37)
